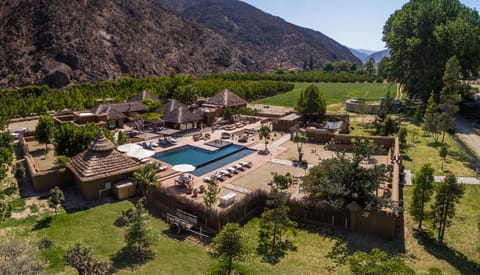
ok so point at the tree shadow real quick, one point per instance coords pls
(446, 253)
(128, 258)
(43, 223)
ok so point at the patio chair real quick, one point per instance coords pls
(239, 167)
(232, 170)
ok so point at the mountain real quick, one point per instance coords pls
(377, 56)
(57, 42)
(361, 53)
(274, 41)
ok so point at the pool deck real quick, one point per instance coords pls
(168, 176)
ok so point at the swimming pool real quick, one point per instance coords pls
(204, 160)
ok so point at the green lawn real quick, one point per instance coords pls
(319, 251)
(333, 93)
(461, 253)
(422, 149)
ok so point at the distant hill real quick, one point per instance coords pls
(361, 53)
(272, 40)
(377, 56)
(57, 42)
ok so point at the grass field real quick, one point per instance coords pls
(461, 254)
(334, 93)
(422, 149)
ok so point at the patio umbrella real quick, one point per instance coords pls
(183, 168)
(128, 147)
(140, 153)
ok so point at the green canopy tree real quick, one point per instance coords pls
(145, 178)
(45, 130)
(311, 103)
(423, 35)
(19, 257)
(449, 193)
(229, 245)
(449, 95)
(210, 197)
(56, 198)
(422, 192)
(139, 236)
(274, 226)
(342, 179)
(81, 259)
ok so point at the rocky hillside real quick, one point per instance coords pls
(276, 42)
(57, 42)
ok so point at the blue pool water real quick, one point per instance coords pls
(204, 160)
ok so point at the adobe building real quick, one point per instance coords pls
(96, 169)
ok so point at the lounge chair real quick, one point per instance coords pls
(171, 140)
(232, 170)
(238, 167)
(226, 173)
(162, 168)
(246, 164)
(219, 177)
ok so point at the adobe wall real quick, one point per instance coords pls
(91, 189)
(360, 106)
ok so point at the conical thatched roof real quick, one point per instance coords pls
(142, 96)
(100, 161)
(128, 107)
(181, 115)
(172, 105)
(226, 98)
(101, 143)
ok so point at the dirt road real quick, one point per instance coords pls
(469, 133)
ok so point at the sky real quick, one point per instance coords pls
(356, 24)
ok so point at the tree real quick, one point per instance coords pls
(19, 257)
(423, 35)
(145, 178)
(122, 138)
(56, 198)
(377, 262)
(443, 153)
(61, 161)
(422, 192)
(310, 63)
(264, 134)
(82, 260)
(229, 245)
(449, 95)
(139, 236)
(388, 127)
(385, 109)
(44, 245)
(274, 225)
(342, 179)
(281, 181)
(311, 103)
(370, 67)
(432, 120)
(210, 197)
(299, 139)
(71, 140)
(383, 67)
(448, 194)
(45, 130)
(402, 135)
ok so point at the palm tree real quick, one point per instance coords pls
(264, 133)
(299, 138)
(146, 177)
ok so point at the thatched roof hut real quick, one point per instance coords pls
(226, 99)
(171, 105)
(100, 164)
(142, 96)
(181, 115)
(128, 107)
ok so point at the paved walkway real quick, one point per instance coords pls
(464, 180)
(286, 162)
(468, 132)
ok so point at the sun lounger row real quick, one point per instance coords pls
(231, 171)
